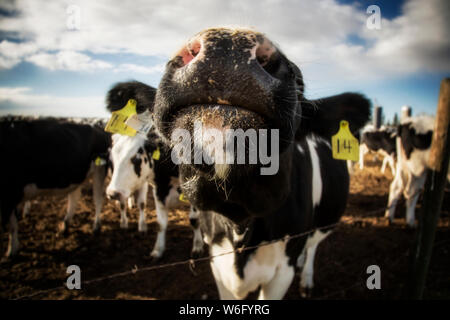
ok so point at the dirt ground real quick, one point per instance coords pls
(363, 239)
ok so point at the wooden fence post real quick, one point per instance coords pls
(433, 194)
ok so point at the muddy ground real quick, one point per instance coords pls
(363, 239)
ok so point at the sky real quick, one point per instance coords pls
(59, 58)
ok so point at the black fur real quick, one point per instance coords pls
(163, 168)
(412, 140)
(380, 140)
(322, 116)
(121, 92)
(136, 161)
(47, 153)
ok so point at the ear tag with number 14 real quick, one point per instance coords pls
(344, 145)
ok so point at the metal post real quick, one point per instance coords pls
(377, 117)
(433, 195)
(406, 112)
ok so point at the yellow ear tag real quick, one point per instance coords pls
(182, 198)
(156, 154)
(344, 145)
(99, 161)
(116, 123)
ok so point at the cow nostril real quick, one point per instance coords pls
(194, 47)
(113, 195)
(264, 52)
(190, 51)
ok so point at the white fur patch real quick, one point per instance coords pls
(260, 270)
(316, 176)
(422, 123)
(307, 276)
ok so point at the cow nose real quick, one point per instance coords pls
(227, 45)
(226, 66)
(114, 194)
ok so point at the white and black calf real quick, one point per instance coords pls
(381, 141)
(135, 167)
(237, 79)
(43, 157)
(413, 147)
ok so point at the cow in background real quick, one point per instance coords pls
(72, 199)
(413, 144)
(46, 156)
(135, 166)
(381, 141)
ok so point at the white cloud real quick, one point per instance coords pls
(21, 100)
(419, 40)
(11, 53)
(133, 68)
(312, 33)
(67, 60)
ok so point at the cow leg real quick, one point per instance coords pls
(414, 188)
(395, 191)
(224, 292)
(392, 164)
(197, 243)
(350, 167)
(383, 166)
(162, 218)
(362, 151)
(142, 202)
(123, 213)
(131, 202)
(72, 202)
(97, 193)
(278, 286)
(307, 275)
(13, 245)
(26, 208)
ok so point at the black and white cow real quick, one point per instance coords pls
(237, 79)
(413, 147)
(135, 166)
(48, 157)
(97, 122)
(381, 141)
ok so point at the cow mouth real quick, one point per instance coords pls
(231, 113)
(220, 132)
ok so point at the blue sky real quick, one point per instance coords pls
(50, 67)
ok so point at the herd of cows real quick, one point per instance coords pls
(226, 78)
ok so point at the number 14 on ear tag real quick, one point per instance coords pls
(344, 145)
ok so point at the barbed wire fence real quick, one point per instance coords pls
(191, 262)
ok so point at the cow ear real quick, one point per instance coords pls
(118, 96)
(322, 116)
(115, 98)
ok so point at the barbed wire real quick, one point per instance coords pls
(191, 262)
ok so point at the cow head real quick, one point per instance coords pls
(238, 79)
(121, 92)
(132, 166)
(129, 156)
(381, 139)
